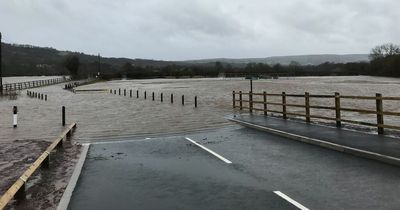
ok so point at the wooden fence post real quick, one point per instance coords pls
(233, 99)
(250, 102)
(145, 95)
(172, 98)
(195, 101)
(379, 113)
(130, 93)
(119, 91)
(124, 92)
(307, 103)
(153, 96)
(265, 103)
(183, 100)
(240, 100)
(337, 110)
(137, 94)
(162, 97)
(63, 115)
(284, 105)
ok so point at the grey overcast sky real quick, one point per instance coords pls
(192, 29)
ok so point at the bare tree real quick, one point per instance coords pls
(385, 50)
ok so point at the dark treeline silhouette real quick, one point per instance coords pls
(25, 60)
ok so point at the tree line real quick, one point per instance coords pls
(384, 61)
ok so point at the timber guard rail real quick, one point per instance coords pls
(17, 190)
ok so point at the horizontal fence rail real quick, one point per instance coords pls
(17, 190)
(247, 101)
(9, 87)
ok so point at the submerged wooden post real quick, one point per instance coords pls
(195, 101)
(233, 99)
(130, 93)
(145, 95)
(307, 105)
(284, 105)
(21, 193)
(124, 92)
(137, 94)
(265, 103)
(63, 115)
(162, 97)
(240, 100)
(183, 100)
(379, 113)
(172, 98)
(337, 110)
(250, 102)
(153, 96)
(119, 91)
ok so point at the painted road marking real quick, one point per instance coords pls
(210, 151)
(295, 203)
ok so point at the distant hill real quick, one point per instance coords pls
(286, 60)
(26, 60)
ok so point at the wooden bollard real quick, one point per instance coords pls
(337, 110)
(172, 98)
(379, 113)
(195, 101)
(284, 105)
(63, 115)
(162, 98)
(183, 100)
(153, 96)
(307, 105)
(15, 116)
(265, 103)
(240, 100)
(233, 99)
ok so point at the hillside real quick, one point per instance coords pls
(286, 60)
(26, 60)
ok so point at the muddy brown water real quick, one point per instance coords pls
(101, 114)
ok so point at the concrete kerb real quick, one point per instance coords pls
(325, 144)
(65, 199)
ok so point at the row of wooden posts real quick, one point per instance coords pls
(32, 84)
(40, 96)
(18, 189)
(152, 96)
(379, 112)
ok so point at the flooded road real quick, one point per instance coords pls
(101, 114)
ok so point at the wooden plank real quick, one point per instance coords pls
(9, 194)
(358, 110)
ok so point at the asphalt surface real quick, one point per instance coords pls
(374, 143)
(173, 173)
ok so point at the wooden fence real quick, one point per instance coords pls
(252, 101)
(17, 190)
(32, 84)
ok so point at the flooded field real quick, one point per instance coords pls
(101, 114)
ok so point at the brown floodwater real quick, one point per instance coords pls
(102, 115)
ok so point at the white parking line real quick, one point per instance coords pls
(295, 203)
(210, 151)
